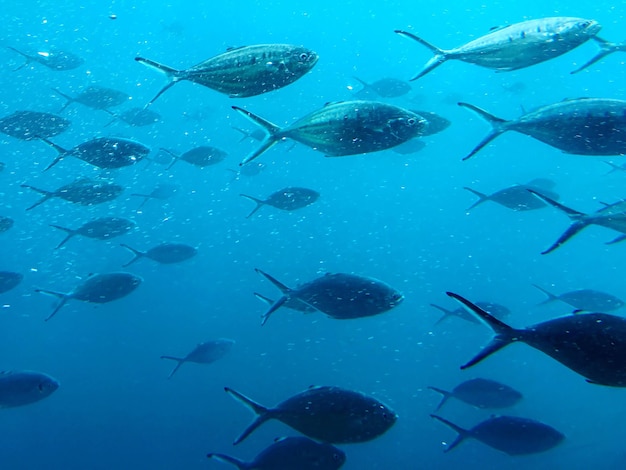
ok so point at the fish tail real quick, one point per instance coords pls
(621, 238)
(263, 414)
(445, 398)
(505, 335)
(571, 213)
(463, 433)
(146, 198)
(614, 167)
(446, 313)
(280, 302)
(46, 195)
(245, 134)
(180, 361)
(262, 298)
(26, 56)
(138, 254)
(68, 99)
(62, 152)
(115, 117)
(569, 233)
(606, 48)
(362, 82)
(70, 233)
(481, 197)
(498, 125)
(64, 298)
(174, 74)
(273, 134)
(440, 56)
(259, 204)
(175, 157)
(241, 465)
(283, 288)
(551, 296)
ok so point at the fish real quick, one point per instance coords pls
(409, 147)
(251, 169)
(83, 191)
(24, 387)
(5, 223)
(54, 59)
(509, 434)
(340, 296)
(481, 393)
(245, 71)
(515, 46)
(344, 128)
(384, 88)
(516, 197)
(103, 228)
(585, 300)
(103, 152)
(290, 453)
(204, 353)
(582, 126)
(615, 167)
(30, 125)
(162, 191)
(9, 280)
(606, 48)
(497, 310)
(136, 117)
(611, 216)
(95, 97)
(201, 157)
(98, 288)
(436, 123)
(166, 253)
(287, 199)
(591, 344)
(327, 414)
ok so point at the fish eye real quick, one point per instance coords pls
(40, 387)
(304, 56)
(411, 121)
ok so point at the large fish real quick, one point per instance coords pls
(287, 199)
(611, 216)
(103, 228)
(606, 48)
(515, 46)
(98, 288)
(509, 434)
(591, 344)
(165, 253)
(291, 453)
(23, 387)
(585, 300)
(327, 414)
(54, 59)
(584, 126)
(481, 393)
(103, 152)
(29, 125)
(244, 71)
(344, 128)
(84, 191)
(204, 353)
(340, 296)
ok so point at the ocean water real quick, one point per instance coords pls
(398, 218)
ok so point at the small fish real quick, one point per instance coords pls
(384, 88)
(590, 344)
(5, 223)
(497, 310)
(204, 353)
(340, 296)
(199, 156)
(84, 191)
(583, 126)
(30, 125)
(515, 46)
(509, 434)
(9, 280)
(291, 453)
(54, 59)
(103, 228)
(166, 253)
(161, 192)
(328, 414)
(244, 71)
(23, 387)
(98, 288)
(585, 300)
(287, 199)
(136, 117)
(344, 128)
(606, 48)
(481, 393)
(516, 197)
(95, 97)
(103, 152)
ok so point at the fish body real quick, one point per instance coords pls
(9, 280)
(23, 387)
(516, 197)
(588, 300)
(30, 125)
(166, 253)
(201, 157)
(516, 46)
(54, 59)
(244, 71)
(481, 393)
(103, 228)
(327, 414)
(95, 97)
(5, 223)
(204, 353)
(344, 128)
(287, 199)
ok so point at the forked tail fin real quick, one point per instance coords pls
(273, 134)
(439, 57)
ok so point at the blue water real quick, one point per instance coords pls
(401, 219)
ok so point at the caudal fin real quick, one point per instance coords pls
(505, 335)
(46, 195)
(23, 54)
(64, 298)
(70, 233)
(446, 396)
(481, 197)
(174, 75)
(606, 48)
(551, 296)
(180, 361)
(273, 134)
(463, 433)
(62, 152)
(263, 414)
(138, 254)
(240, 464)
(446, 313)
(280, 302)
(498, 125)
(259, 204)
(440, 56)
(68, 99)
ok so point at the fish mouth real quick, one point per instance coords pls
(592, 28)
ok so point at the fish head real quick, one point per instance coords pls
(580, 28)
(406, 126)
(46, 386)
(300, 60)
(330, 457)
